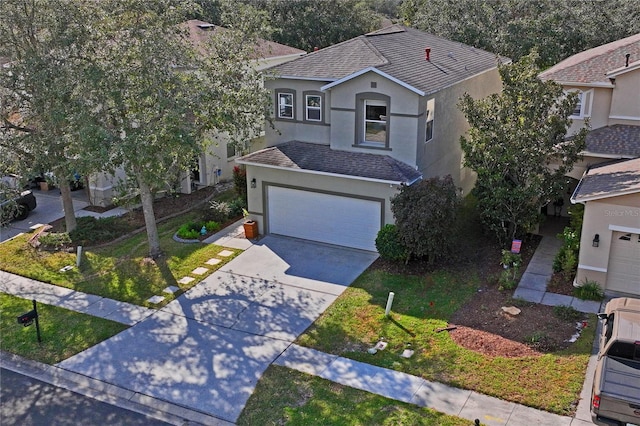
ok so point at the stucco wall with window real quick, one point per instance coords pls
(625, 105)
(297, 127)
(621, 211)
(598, 108)
(314, 182)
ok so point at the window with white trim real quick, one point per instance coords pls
(583, 107)
(313, 108)
(285, 105)
(429, 113)
(375, 121)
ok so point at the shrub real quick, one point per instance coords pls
(91, 230)
(212, 226)
(511, 263)
(389, 246)
(240, 182)
(590, 290)
(189, 231)
(566, 313)
(219, 211)
(237, 206)
(55, 240)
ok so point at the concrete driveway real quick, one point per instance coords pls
(207, 349)
(48, 209)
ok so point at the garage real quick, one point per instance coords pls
(337, 219)
(623, 273)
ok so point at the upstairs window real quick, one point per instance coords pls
(313, 108)
(583, 107)
(285, 105)
(429, 119)
(375, 121)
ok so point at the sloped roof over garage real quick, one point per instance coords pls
(612, 180)
(620, 139)
(310, 157)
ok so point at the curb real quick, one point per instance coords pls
(133, 401)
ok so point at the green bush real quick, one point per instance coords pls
(511, 263)
(189, 231)
(566, 313)
(237, 206)
(91, 230)
(590, 290)
(389, 246)
(219, 211)
(212, 226)
(55, 240)
(240, 181)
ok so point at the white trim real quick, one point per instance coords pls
(293, 77)
(374, 70)
(622, 70)
(314, 172)
(583, 84)
(624, 229)
(608, 195)
(602, 155)
(592, 268)
(623, 117)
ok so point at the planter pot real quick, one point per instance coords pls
(44, 186)
(251, 229)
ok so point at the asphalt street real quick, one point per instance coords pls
(27, 401)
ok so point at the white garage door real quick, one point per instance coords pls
(331, 219)
(623, 274)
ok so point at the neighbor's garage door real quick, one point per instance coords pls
(332, 219)
(623, 274)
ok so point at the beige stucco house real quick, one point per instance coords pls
(355, 121)
(217, 162)
(607, 79)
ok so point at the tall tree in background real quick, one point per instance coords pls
(556, 28)
(161, 97)
(44, 126)
(517, 144)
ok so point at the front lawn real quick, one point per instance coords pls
(285, 396)
(422, 308)
(121, 271)
(64, 333)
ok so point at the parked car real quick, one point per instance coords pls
(15, 203)
(615, 398)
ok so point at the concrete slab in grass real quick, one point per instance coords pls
(307, 360)
(529, 295)
(213, 261)
(200, 270)
(225, 253)
(186, 280)
(440, 397)
(553, 299)
(171, 289)
(491, 411)
(155, 299)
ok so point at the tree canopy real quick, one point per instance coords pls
(517, 144)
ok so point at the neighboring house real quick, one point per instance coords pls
(607, 79)
(355, 121)
(216, 164)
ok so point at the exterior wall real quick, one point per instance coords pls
(443, 154)
(285, 130)
(600, 106)
(308, 181)
(101, 187)
(625, 105)
(623, 211)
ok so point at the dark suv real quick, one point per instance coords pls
(14, 203)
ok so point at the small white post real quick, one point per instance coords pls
(389, 302)
(79, 256)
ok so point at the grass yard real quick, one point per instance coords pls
(422, 307)
(64, 333)
(285, 396)
(120, 271)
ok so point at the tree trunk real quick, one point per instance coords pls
(146, 197)
(67, 205)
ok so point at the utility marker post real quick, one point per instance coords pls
(389, 302)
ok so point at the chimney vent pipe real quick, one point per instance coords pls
(427, 54)
(626, 64)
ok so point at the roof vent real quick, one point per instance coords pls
(626, 64)
(206, 27)
(427, 54)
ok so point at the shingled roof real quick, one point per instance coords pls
(397, 51)
(620, 178)
(593, 65)
(619, 139)
(304, 156)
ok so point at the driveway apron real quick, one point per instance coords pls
(207, 349)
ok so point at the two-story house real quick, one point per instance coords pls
(355, 121)
(607, 80)
(216, 163)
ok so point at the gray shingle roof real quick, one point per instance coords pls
(619, 139)
(591, 66)
(609, 180)
(397, 51)
(321, 158)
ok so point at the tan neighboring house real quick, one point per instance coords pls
(607, 79)
(217, 162)
(354, 122)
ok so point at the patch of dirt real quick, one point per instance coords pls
(561, 285)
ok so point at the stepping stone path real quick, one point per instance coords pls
(155, 299)
(171, 289)
(200, 271)
(225, 253)
(186, 280)
(213, 261)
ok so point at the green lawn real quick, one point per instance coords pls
(64, 333)
(356, 321)
(120, 271)
(285, 396)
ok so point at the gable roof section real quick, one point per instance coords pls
(592, 65)
(396, 51)
(619, 140)
(315, 158)
(612, 180)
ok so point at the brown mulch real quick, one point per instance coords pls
(561, 285)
